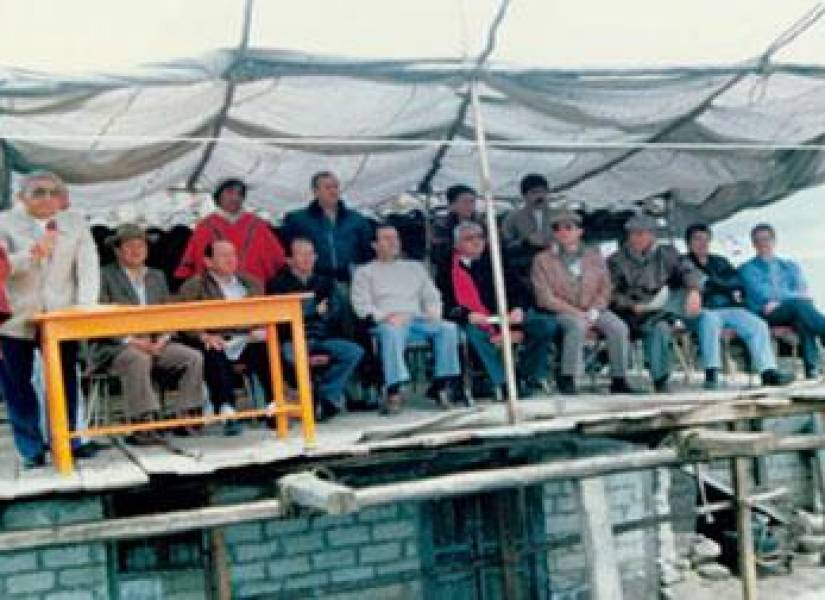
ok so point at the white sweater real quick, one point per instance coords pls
(383, 287)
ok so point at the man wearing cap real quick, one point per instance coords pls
(527, 231)
(722, 291)
(572, 282)
(341, 235)
(461, 208)
(470, 301)
(645, 276)
(54, 265)
(135, 359)
(260, 253)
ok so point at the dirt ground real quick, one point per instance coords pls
(806, 582)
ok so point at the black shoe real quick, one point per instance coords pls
(440, 395)
(619, 385)
(232, 428)
(143, 438)
(812, 372)
(774, 377)
(458, 395)
(87, 450)
(661, 386)
(33, 462)
(566, 385)
(712, 379)
(325, 410)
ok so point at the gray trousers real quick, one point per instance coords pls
(574, 333)
(134, 367)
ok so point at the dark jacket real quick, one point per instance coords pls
(637, 279)
(481, 270)
(721, 281)
(115, 288)
(204, 287)
(340, 246)
(317, 326)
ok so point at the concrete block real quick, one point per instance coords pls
(248, 572)
(257, 589)
(18, 562)
(284, 567)
(411, 549)
(378, 513)
(331, 559)
(378, 553)
(72, 595)
(308, 582)
(305, 542)
(327, 521)
(352, 574)
(232, 494)
(394, 531)
(399, 566)
(244, 532)
(30, 583)
(66, 556)
(279, 527)
(349, 536)
(252, 552)
(82, 576)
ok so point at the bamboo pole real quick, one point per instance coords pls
(495, 255)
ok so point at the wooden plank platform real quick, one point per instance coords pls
(420, 426)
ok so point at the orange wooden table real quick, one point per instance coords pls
(118, 320)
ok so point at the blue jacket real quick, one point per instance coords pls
(340, 246)
(775, 280)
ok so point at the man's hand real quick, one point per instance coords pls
(397, 319)
(516, 316)
(258, 334)
(43, 248)
(693, 303)
(433, 313)
(638, 309)
(159, 344)
(322, 307)
(212, 342)
(770, 307)
(144, 344)
(476, 318)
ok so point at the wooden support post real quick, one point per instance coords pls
(56, 404)
(818, 463)
(308, 490)
(744, 529)
(597, 539)
(303, 376)
(273, 349)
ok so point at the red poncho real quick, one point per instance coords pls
(260, 254)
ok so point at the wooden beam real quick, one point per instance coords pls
(597, 539)
(308, 490)
(708, 444)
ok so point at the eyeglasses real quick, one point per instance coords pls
(41, 192)
(567, 226)
(472, 237)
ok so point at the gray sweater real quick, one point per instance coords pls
(383, 287)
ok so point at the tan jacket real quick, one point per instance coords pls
(70, 277)
(520, 226)
(554, 289)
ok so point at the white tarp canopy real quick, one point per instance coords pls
(279, 116)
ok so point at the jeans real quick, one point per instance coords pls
(393, 340)
(752, 330)
(657, 336)
(21, 401)
(344, 358)
(809, 323)
(534, 357)
(220, 378)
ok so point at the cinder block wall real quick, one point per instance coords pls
(74, 572)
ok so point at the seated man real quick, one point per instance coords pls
(222, 349)
(644, 274)
(722, 308)
(526, 231)
(322, 321)
(461, 208)
(400, 299)
(129, 281)
(776, 290)
(572, 282)
(470, 301)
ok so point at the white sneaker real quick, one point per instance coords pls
(227, 410)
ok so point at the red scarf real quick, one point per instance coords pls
(466, 293)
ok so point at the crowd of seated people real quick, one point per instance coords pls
(367, 302)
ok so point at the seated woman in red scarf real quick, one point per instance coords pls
(469, 299)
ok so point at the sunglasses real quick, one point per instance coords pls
(41, 192)
(565, 226)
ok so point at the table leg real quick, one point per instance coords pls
(299, 344)
(56, 405)
(277, 379)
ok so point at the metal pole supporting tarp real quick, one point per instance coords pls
(495, 254)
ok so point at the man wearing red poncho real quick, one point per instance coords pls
(259, 251)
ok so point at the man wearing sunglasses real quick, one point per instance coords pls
(572, 282)
(54, 264)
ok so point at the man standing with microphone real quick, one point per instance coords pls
(54, 264)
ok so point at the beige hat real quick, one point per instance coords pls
(565, 215)
(641, 222)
